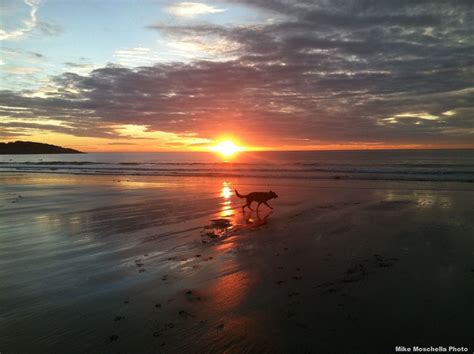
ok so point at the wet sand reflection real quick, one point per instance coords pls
(226, 205)
(230, 219)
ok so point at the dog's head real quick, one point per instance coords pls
(273, 194)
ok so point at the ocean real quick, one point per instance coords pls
(411, 165)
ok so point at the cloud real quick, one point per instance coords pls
(137, 56)
(121, 143)
(49, 28)
(135, 131)
(20, 70)
(29, 24)
(321, 73)
(191, 9)
(16, 53)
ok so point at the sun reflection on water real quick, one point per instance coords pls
(226, 205)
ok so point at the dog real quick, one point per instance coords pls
(259, 197)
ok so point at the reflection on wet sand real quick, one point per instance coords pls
(425, 199)
(130, 262)
(226, 205)
(255, 219)
(250, 219)
(428, 199)
(228, 222)
(229, 291)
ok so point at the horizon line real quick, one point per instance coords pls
(269, 150)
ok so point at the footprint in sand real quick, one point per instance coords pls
(191, 297)
(294, 303)
(331, 290)
(186, 314)
(355, 273)
(324, 285)
(384, 262)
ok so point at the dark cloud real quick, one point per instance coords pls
(325, 72)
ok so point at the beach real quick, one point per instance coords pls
(128, 264)
(138, 137)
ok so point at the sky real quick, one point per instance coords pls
(151, 75)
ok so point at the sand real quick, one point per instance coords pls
(103, 264)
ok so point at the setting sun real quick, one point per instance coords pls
(226, 148)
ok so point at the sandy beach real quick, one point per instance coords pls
(114, 264)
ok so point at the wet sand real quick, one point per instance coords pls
(105, 264)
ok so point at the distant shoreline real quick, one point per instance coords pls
(30, 148)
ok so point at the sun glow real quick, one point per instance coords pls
(226, 148)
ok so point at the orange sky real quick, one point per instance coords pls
(87, 144)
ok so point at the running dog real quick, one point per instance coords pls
(259, 197)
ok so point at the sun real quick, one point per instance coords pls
(226, 148)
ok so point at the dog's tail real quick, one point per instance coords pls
(239, 195)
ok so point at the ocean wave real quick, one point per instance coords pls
(343, 173)
(429, 165)
(227, 164)
(233, 168)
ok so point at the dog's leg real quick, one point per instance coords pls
(249, 204)
(267, 205)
